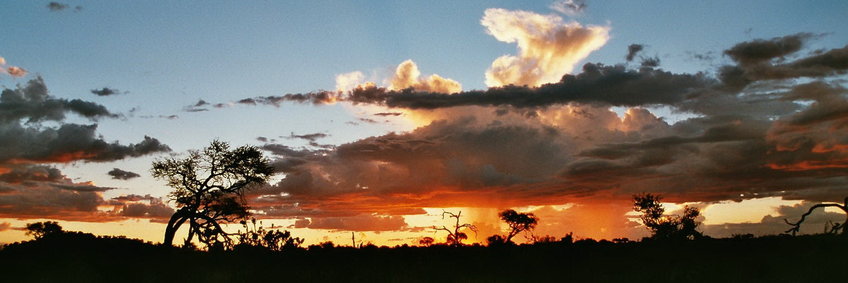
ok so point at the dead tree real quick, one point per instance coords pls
(834, 228)
(456, 236)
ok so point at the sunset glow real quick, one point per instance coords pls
(378, 117)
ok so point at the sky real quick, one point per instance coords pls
(378, 116)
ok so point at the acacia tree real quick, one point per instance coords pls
(667, 227)
(833, 229)
(518, 222)
(39, 230)
(208, 189)
(456, 236)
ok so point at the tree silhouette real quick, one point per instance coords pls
(208, 187)
(426, 241)
(41, 229)
(833, 229)
(518, 222)
(666, 227)
(456, 236)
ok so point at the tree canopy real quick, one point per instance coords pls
(518, 222)
(666, 227)
(208, 189)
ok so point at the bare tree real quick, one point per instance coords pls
(456, 236)
(518, 222)
(208, 187)
(834, 228)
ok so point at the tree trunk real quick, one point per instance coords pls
(173, 225)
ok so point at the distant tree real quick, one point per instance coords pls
(834, 228)
(518, 222)
(208, 189)
(41, 229)
(455, 235)
(426, 241)
(258, 236)
(495, 240)
(666, 227)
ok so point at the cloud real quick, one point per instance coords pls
(33, 103)
(362, 222)
(560, 143)
(348, 81)
(774, 224)
(105, 91)
(5, 226)
(56, 6)
(407, 75)
(68, 142)
(759, 51)
(309, 137)
(119, 174)
(40, 191)
(632, 50)
(547, 47)
(16, 71)
(756, 62)
(569, 7)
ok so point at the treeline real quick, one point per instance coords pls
(83, 257)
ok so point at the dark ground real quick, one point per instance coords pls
(79, 257)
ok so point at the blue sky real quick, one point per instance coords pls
(167, 55)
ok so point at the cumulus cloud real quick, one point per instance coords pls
(407, 75)
(560, 143)
(548, 47)
(119, 174)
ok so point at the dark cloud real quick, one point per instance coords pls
(33, 103)
(119, 174)
(105, 91)
(68, 142)
(39, 191)
(759, 51)
(308, 137)
(632, 50)
(650, 62)
(385, 114)
(56, 6)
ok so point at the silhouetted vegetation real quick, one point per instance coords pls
(208, 187)
(834, 228)
(666, 227)
(41, 229)
(518, 222)
(455, 235)
(82, 257)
